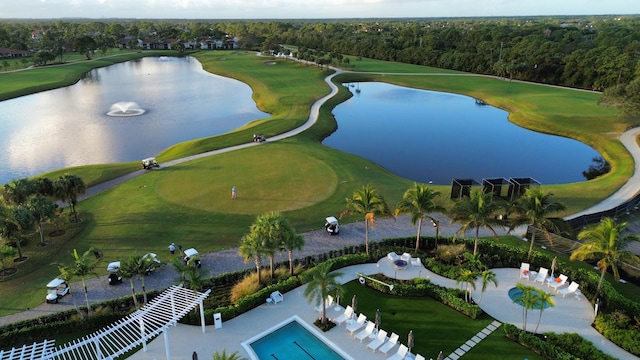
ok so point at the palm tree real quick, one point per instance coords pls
(477, 211)
(181, 268)
(275, 232)
(367, 201)
(467, 277)
(5, 253)
(323, 282)
(292, 241)
(67, 189)
(195, 277)
(419, 201)
(251, 248)
(536, 208)
(528, 299)
(42, 210)
(17, 191)
(488, 277)
(544, 298)
(15, 220)
(606, 243)
(225, 356)
(82, 266)
(129, 270)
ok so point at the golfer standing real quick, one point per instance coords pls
(234, 193)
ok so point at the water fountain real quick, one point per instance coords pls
(125, 108)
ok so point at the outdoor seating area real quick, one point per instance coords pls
(277, 297)
(557, 283)
(572, 289)
(401, 262)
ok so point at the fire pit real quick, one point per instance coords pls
(400, 264)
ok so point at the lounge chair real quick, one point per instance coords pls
(328, 302)
(390, 344)
(277, 297)
(524, 271)
(416, 262)
(392, 256)
(558, 282)
(380, 339)
(346, 315)
(419, 357)
(368, 330)
(400, 354)
(406, 257)
(542, 275)
(357, 325)
(569, 290)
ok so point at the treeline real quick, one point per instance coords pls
(595, 52)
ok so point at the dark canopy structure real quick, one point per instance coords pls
(518, 186)
(462, 187)
(497, 186)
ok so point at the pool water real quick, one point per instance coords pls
(293, 341)
(515, 293)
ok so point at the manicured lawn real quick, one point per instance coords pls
(190, 203)
(436, 327)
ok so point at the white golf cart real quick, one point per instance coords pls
(56, 289)
(150, 163)
(331, 225)
(190, 254)
(113, 268)
(153, 261)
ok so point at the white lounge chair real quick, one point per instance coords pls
(558, 282)
(368, 330)
(328, 302)
(392, 256)
(380, 339)
(569, 290)
(406, 257)
(542, 275)
(400, 354)
(524, 271)
(416, 262)
(419, 357)
(390, 344)
(277, 297)
(357, 325)
(346, 315)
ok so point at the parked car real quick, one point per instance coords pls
(56, 289)
(150, 163)
(331, 225)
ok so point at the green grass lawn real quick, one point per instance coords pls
(190, 203)
(436, 327)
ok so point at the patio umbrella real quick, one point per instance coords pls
(440, 356)
(194, 356)
(378, 319)
(354, 304)
(410, 340)
(554, 263)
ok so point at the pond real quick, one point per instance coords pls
(430, 136)
(176, 99)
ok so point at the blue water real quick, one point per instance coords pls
(293, 342)
(515, 293)
(430, 136)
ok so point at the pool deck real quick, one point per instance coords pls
(570, 314)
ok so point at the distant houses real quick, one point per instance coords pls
(205, 43)
(13, 53)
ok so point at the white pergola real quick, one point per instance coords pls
(132, 331)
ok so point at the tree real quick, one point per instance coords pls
(606, 243)
(15, 220)
(467, 277)
(195, 277)
(145, 264)
(83, 266)
(67, 189)
(251, 249)
(181, 268)
(323, 282)
(527, 299)
(85, 45)
(128, 270)
(268, 229)
(488, 277)
(225, 356)
(477, 211)
(368, 202)
(418, 202)
(544, 299)
(18, 191)
(6, 252)
(290, 242)
(43, 210)
(535, 208)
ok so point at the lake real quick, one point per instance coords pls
(70, 126)
(430, 136)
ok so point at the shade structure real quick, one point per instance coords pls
(410, 340)
(554, 263)
(440, 356)
(354, 304)
(377, 318)
(194, 356)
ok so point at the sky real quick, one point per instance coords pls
(306, 9)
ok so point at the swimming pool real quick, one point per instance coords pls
(293, 339)
(516, 295)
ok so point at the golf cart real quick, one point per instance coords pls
(331, 225)
(191, 256)
(259, 138)
(150, 163)
(56, 289)
(153, 261)
(113, 268)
